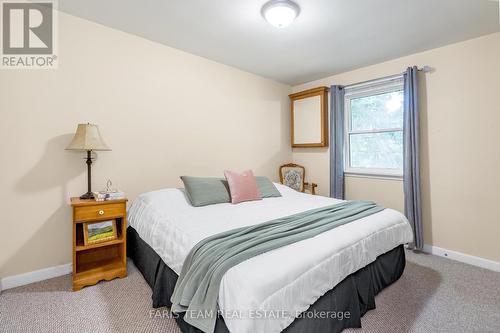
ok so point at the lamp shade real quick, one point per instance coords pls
(87, 137)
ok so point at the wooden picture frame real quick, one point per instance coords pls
(88, 240)
(320, 93)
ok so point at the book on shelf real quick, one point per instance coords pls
(99, 196)
(108, 196)
(115, 195)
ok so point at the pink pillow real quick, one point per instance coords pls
(242, 186)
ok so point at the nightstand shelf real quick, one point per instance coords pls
(104, 260)
(104, 267)
(81, 247)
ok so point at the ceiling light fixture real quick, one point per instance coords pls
(280, 13)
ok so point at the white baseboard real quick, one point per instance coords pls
(35, 276)
(462, 257)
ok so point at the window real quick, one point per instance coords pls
(374, 128)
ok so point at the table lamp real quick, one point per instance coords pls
(87, 138)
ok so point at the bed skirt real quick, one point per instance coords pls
(355, 295)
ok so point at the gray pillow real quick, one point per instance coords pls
(202, 191)
(266, 188)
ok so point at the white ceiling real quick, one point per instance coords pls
(328, 37)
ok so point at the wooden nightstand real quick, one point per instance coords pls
(99, 261)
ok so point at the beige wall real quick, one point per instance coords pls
(164, 113)
(460, 152)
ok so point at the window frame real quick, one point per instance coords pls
(376, 87)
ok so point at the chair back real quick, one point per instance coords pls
(293, 176)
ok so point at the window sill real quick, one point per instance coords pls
(373, 176)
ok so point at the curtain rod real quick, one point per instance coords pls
(424, 69)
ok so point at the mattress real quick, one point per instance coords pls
(283, 282)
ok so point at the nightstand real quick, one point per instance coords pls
(98, 261)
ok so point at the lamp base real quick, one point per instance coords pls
(87, 196)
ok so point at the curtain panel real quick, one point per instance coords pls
(411, 162)
(337, 142)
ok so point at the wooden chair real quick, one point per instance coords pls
(293, 176)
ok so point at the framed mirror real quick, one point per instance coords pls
(310, 118)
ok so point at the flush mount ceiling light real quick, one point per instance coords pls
(280, 13)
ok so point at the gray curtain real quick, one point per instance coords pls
(411, 164)
(337, 142)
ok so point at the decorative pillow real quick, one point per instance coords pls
(242, 187)
(266, 188)
(202, 191)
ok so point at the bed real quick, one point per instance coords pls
(305, 286)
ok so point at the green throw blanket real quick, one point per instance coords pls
(197, 288)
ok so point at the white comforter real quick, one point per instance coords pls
(281, 283)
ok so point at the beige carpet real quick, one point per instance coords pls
(433, 295)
